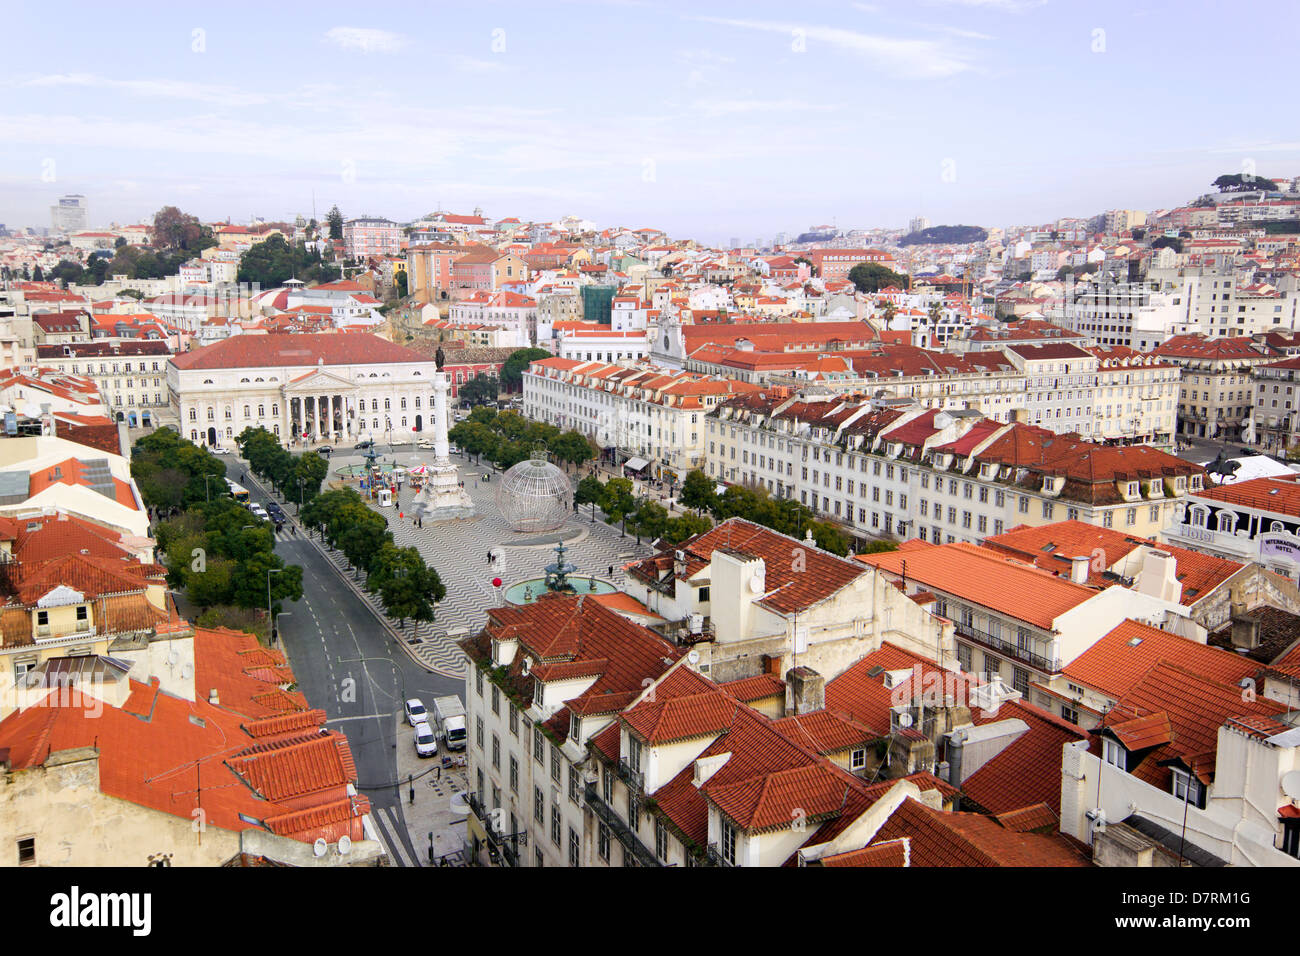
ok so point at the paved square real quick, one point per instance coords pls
(458, 550)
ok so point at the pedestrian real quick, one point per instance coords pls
(611, 570)
(489, 559)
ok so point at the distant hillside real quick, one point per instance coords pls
(815, 237)
(944, 235)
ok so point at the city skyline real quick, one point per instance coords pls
(735, 122)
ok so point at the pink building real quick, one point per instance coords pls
(370, 236)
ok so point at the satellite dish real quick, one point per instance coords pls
(693, 657)
(320, 846)
(1291, 784)
(345, 845)
(905, 720)
(187, 671)
(173, 657)
(756, 584)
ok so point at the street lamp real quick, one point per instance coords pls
(270, 616)
(206, 494)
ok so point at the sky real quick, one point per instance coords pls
(707, 120)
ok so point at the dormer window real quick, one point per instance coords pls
(1187, 788)
(1195, 483)
(1133, 489)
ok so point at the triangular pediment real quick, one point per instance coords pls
(317, 379)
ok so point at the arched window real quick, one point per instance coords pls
(1227, 521)
(374, 404)
(194, 436)
(212, 415)
(1199, 516)
(387, 404)
(194, 415)
(403, 403)
(230, 414)
(242, 380)
(417, 401)
(403, 421)
(275, 410)
(261, 411)
(376, 424)
(246, 411)
(228, 432)
(1276, 526)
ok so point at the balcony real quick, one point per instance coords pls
(611, 819)
(1012, 651)
(634, 778)
(713, 856)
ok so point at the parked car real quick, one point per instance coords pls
(363, 445)
(426, 743)
(415, 712)
(259, 511)
(325, 450)
(424, 443)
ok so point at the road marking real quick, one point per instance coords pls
(335, 720)
(398, 848)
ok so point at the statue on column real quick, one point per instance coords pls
(440, 358)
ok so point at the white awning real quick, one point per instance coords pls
(636, 464)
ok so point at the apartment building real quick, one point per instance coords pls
(131, 375)
(1217, 391)
(1274, 421)
(508, 309)
(483, 269)
(1014, 621)
(428, 269)
(893, 469)
(837, 263)
(1126, 314)
(643, 411)
(1060, 382)
(371, 236)
(1135, 397)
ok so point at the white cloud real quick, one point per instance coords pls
(1007, 6)
(471, 64)
(720, 107)
(365, 39)
(916, 58)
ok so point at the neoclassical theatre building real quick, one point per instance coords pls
(306, 388)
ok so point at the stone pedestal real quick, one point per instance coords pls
(442, 498)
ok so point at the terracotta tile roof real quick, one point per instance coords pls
(751, 689)
(969, 839)
(1038, 817)
(1051, 546)
(1117, 662)
(780, 797)
(862, 695)
(1195, 707)
(303, 349)
(889, 853)
(175, 756)
(788, 591)
(1028, 770)
(1140, 733)
(826, 732)
(1278, 495)
(681, 718)
(987, 578)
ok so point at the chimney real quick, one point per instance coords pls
(1245, 628)
(1159, 575)
(1079, 566)
(807, 689)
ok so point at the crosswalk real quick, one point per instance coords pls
(385, 820)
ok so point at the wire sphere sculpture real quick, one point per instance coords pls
(534, 495)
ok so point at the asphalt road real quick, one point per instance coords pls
(347, 664)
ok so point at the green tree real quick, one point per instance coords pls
(399, 281)
(572, 447)
(685, 526)
(616, 499)
(173, 230)
(698, 491)
(590, 490)
(335, 220)
(872, 277)
(512, 372)
(480, 390)
(648, 521)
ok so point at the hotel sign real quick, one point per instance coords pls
(1280, 546)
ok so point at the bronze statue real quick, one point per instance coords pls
(440, 358)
